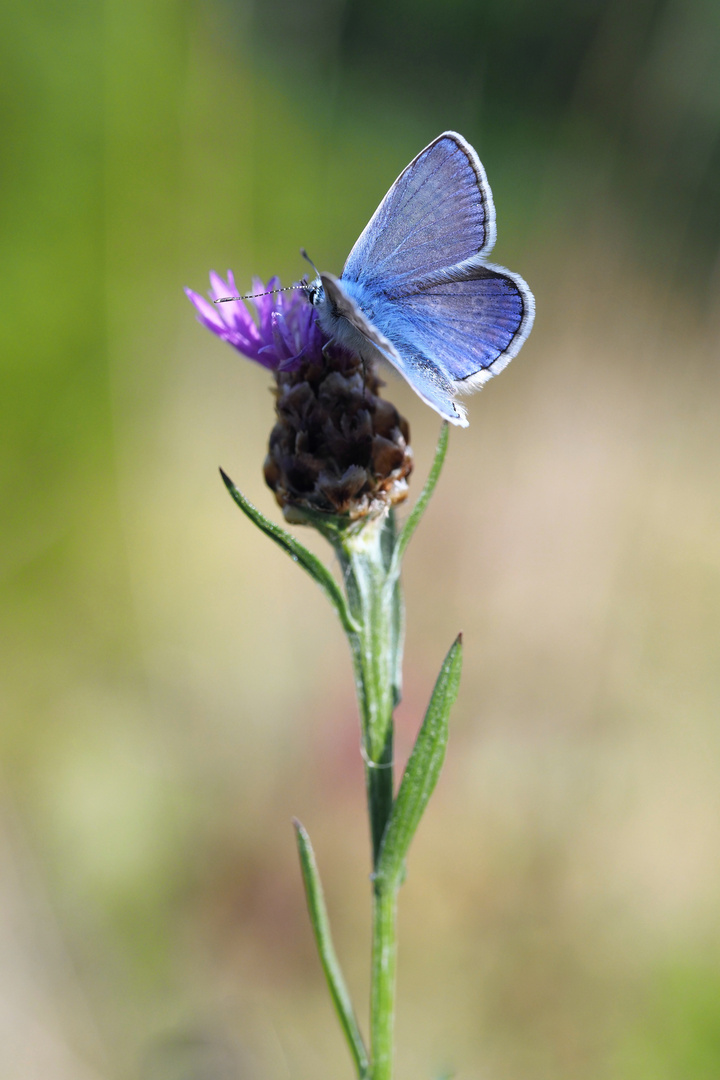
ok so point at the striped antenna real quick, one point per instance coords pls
(252, 295)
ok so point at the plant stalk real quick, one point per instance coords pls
(373, 590)
(373, 619)
(375, 604)
(382, 991)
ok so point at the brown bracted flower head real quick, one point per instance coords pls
(337, 447)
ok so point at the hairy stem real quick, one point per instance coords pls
(376, 606)
(382, 994)
(376, 646)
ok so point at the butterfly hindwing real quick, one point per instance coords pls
(471, 327)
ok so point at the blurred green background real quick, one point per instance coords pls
(173, 689)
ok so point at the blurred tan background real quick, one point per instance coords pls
(174, 689)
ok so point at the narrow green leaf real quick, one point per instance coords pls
(298, 553)
(388, 536)
(419, 508)
(328, 957)
(421, 773)
(398, 639)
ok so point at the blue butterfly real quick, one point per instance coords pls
(416, 289)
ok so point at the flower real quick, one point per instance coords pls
(284, 331)
(337, 447)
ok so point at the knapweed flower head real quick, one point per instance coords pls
(337, 447)
(283, 331)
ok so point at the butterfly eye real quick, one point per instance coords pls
(314, 292)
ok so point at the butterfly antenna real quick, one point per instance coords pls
(307, 258)
(252, 295)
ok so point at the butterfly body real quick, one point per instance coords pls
(416, 290)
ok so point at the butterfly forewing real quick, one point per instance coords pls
(438, 212)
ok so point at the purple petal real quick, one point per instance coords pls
(207, 313)
(219, 287)
(293, 362)
(268, 357)
(283, 331)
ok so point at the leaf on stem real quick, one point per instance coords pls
(298, 553)
(398, 639)
(425, 495)
(328, 957)
(421, 773)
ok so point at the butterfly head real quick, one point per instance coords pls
(314, 291)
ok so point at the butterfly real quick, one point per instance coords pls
(416, 290)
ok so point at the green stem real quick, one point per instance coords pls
(375, 605)
(373, 590)
(382, 993)
(370, 557)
